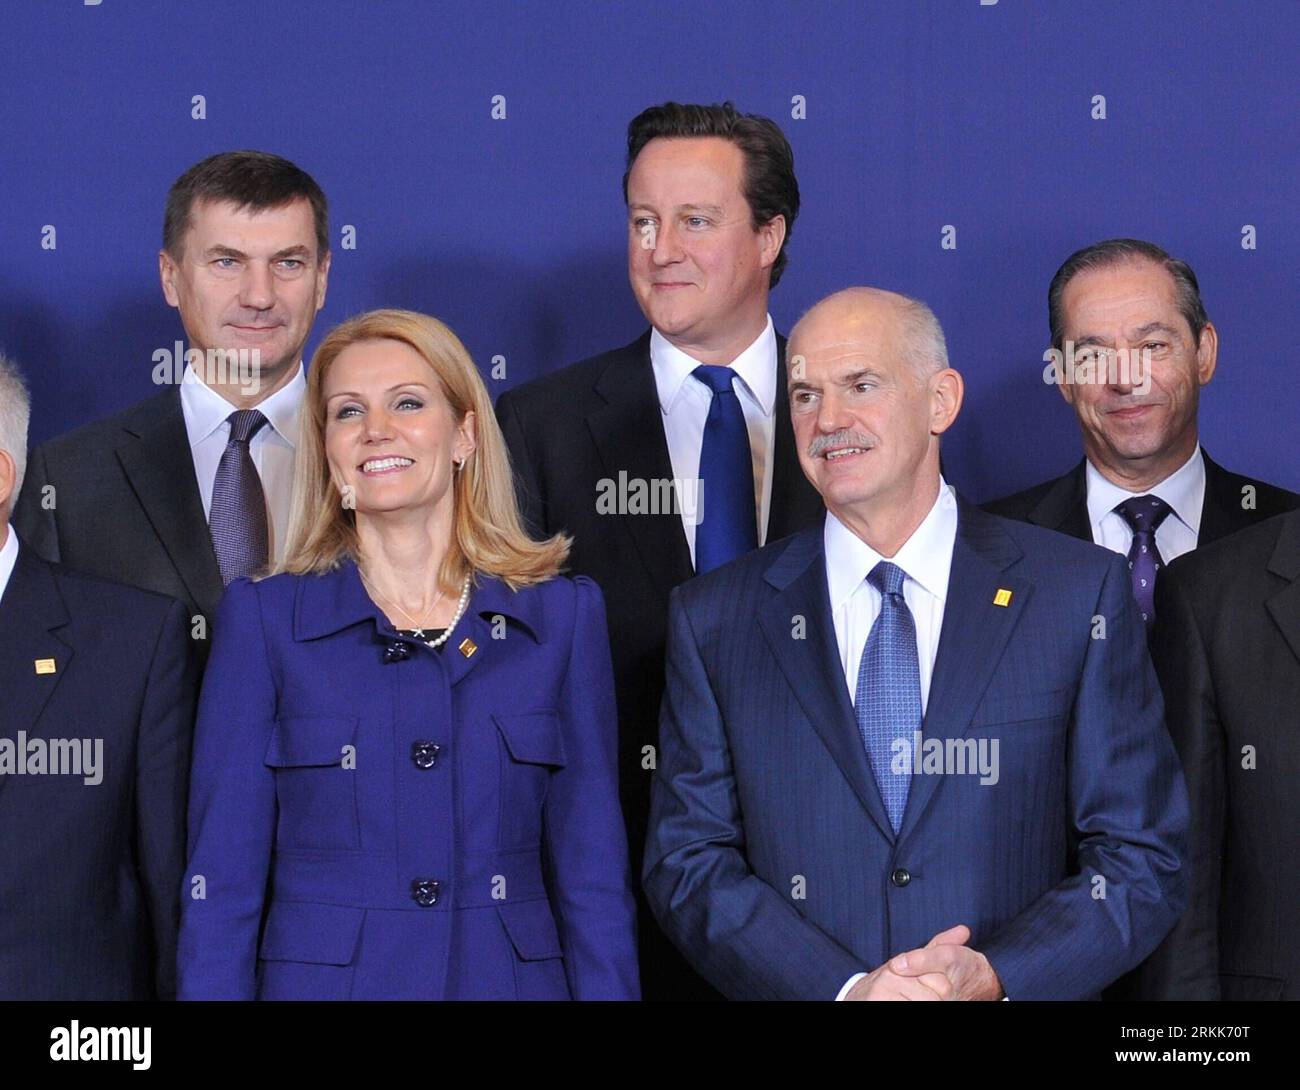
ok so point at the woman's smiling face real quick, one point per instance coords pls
(391, 436)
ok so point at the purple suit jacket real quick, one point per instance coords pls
(376, 819)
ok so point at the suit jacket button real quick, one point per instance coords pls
(900, 877)
(424, 891)
(425, 754)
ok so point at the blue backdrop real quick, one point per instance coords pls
(918, 116)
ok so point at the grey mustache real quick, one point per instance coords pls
(840, 439)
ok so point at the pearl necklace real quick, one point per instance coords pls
(419, 632)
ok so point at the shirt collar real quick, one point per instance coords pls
(8, 558)
(756, 366)
(926, 556)
(1183, 490)
(206, 410)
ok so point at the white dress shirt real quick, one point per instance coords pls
(206, 414)
(8, 558)
(1183, 490)
(685, 402)
(926, 560)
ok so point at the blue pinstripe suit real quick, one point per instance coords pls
(770, 860)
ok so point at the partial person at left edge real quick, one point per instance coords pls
(190, 489)
(97, 691)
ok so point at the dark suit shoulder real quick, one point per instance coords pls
(93, 594)
(1270, 499)
(732, 584)
(1058, 564)
(90, 440)
(1018, 504)
(577, 380)
(1216, 568)
(1041, 543)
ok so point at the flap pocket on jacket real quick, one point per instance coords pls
(1023, 707)
(310, 740)
(531, 928)
(533, 737)
(304, 931)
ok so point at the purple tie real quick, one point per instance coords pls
(238, 516)
(1143, 515)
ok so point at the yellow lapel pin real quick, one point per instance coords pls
(468, 647)
(45, 666)
(1002, 598)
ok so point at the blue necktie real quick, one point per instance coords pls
(888, 703)
(727, 529)
(1144, 514)
(238, 515)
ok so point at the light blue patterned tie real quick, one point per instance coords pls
(888, 703)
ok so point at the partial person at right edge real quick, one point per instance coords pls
(1227, 650)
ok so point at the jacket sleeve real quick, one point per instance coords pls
(1129, 818)
(232, 808)
(739, 933)
(1186, 965)
(35, 523)
(585, 841)
(528, 490)
(161, 784)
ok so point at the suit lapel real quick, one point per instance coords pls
(1284, 606)
(795, 504)
(160, 469)
(31, 614)
(473, 643)
(974, 635)
(1221, 510)
(812, 665)
(1064, 507)
(629, 439)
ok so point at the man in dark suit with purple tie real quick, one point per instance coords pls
(1136, 345)
(191, 488)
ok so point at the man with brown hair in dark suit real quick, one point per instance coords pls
(612, 449)
(184, 492)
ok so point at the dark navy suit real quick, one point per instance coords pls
(770, 859)
(89, 872)
(441, 825)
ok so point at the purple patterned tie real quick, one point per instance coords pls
(238, 516)
(1143, 515)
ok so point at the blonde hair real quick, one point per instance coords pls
(487, 534)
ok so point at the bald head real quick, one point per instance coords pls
(870, 394)
(896, 324)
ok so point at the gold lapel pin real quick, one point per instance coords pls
(45, 666)
(468, 647)
(1002, 598)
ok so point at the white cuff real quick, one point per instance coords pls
(848, 986)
